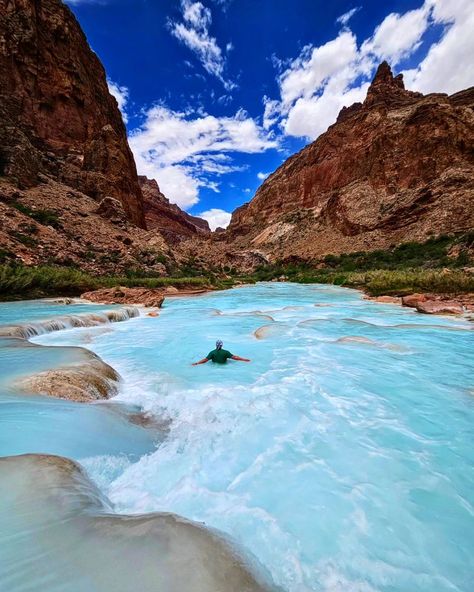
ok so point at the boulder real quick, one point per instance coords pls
(440, 307)
(412, 300)
(120, 295)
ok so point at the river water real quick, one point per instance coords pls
(341, 457)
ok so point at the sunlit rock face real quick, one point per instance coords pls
(174, 224)
(57, 534)
(396, 168)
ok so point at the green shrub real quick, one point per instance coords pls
(45, 217)
(24, 239)
(55, 280)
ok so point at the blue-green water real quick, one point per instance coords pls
(341, 456)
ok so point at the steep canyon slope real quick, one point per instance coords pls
(396, 168)
(69, 190)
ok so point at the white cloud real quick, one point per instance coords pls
(194, 33)
(323, 79)
(262, 176)
(398, 35)
(186, 151)
(315, 66)
(216, 218)
(311, 117)
(346, 17)
(121, 95)
(448, 66)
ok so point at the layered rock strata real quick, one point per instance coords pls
(398, 167)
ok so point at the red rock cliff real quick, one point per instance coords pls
(173, 224)
(57, 116)
(398, 167)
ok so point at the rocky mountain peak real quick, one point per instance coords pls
(172, 222)
(384, 76)
(388, 89)
(395, 168)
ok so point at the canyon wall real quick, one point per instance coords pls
(398, 167)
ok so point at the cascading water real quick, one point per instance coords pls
(341, 457)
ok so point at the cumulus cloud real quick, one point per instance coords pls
(185, 151)
(398, 35)
(216, 218)
(121, 95)
(448, 66)
(193, 32)
(262, 176)
(323, 79)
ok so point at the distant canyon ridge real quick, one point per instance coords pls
(395, 168)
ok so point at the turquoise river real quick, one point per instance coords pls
(340, 459)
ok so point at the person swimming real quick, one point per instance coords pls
(220, 356)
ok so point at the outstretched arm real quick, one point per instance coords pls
(239, 359)
(203, 361)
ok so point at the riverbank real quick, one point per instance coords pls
(19, 282)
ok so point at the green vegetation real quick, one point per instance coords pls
(25, 239)
(45, 217)
(401, 282)
(430, 254)
(21, 281)
(432, 266)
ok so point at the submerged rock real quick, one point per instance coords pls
(64, 531)
(386, 299)
(90, 380)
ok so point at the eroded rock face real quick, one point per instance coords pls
(57, 117)
(174, 224)
(398, 167)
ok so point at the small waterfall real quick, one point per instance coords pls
(28, 330)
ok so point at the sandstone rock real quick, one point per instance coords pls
(56, 113)
(111, 209)
(174, 224)
(440, 307)
(388, 300)
(412, 300)
(121, 295)
(81, 236)
(86, 382)
(397, 168)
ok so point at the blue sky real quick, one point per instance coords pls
(218, 93)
